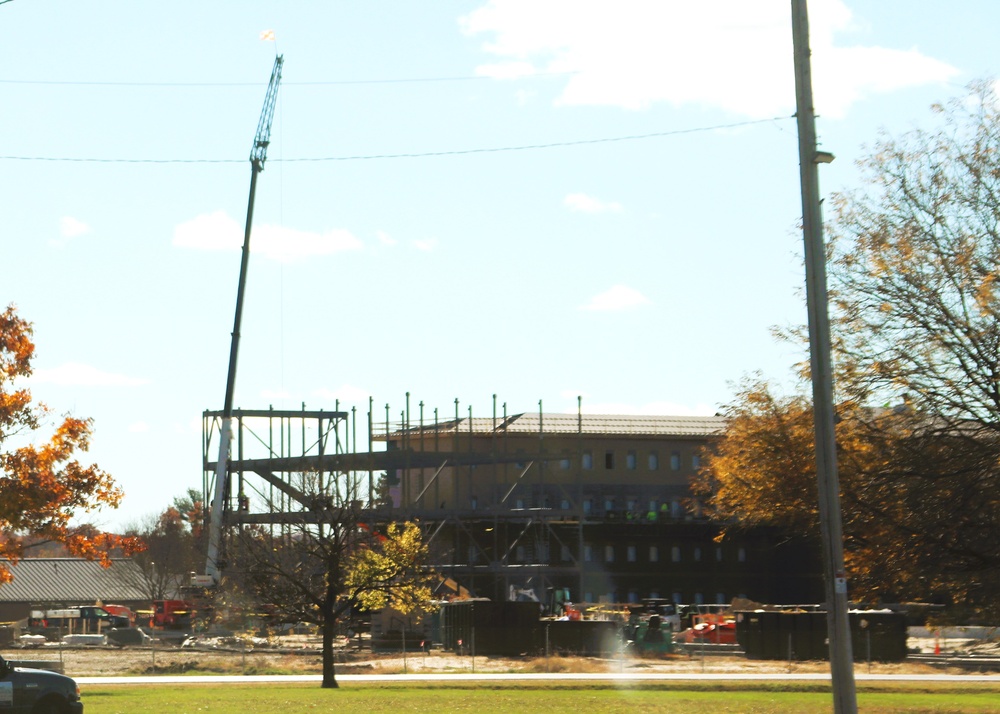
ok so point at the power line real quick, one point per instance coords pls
(414, 155)
(332, 82)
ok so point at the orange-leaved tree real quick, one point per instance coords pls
(919, 503)
(43, 487)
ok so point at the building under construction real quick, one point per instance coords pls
(514, 506)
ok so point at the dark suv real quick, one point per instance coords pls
(35, 691)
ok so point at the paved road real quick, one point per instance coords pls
(536, 677)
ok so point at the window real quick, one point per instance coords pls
(609, 554)
(699, 599)
(654, 461)
(588, 553)
(588, 460)
(630, 553)
(519, 554)
(519, 504)
(676, 508)
(696, 462)
(588, 597)
(588, 505)
(633, 596)
(630, 505)
(630, 460)
(564, 504)
(697, 554)
(609, 504)
(541, 553)
(473, 503)
(564, 464)
(718, 554)
(720, 598)
(654, 554)
(676, 597)
(675, 554)
(564, 554)
(473, 554)
(741, 554)
(609, 459)
(675, 461)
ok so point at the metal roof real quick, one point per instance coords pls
(71, 580)
(593, 424)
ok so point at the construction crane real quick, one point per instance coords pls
(213, 566)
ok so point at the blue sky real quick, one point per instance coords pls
(404, 239)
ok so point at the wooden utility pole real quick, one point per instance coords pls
(837, 623)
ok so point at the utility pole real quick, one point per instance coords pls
(837, 623)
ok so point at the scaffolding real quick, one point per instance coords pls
(501, 499)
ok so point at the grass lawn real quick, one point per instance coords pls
(574, 698)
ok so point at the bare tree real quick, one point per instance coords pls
(174, 547)
(915, 289)
(328, 563)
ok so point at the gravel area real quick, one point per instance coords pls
(303, 657)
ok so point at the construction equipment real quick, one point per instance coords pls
(258, 154)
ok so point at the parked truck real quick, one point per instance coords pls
(35, 691)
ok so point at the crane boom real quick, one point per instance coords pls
(258, 155)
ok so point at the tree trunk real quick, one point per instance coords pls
(329, 675)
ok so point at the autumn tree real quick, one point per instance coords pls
(917, 526)
(174, 546)
(915, 311)
(44, 489)
(914, 269)
(328, 565)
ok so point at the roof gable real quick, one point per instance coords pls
(59, 580)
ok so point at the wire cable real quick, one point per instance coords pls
(413, 155)
(331, 82)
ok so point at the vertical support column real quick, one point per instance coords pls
(371, 451)
(437, 441)
(420, 483)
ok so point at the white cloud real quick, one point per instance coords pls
(523, 97)
(139, 427)
(620, 297)
(588, 204)
(211, 231)
(385, 239)
(74, 374)
(70, 227)
(506, 70)
(735, 55)
(425, 244)
(219, 231)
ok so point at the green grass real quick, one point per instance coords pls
(549, 698)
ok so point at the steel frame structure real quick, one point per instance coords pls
(300, 466)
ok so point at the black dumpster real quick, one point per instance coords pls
(489, 628)
(878, 635)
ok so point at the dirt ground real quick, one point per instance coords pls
(303, 657)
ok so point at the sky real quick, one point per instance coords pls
(539, 200)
